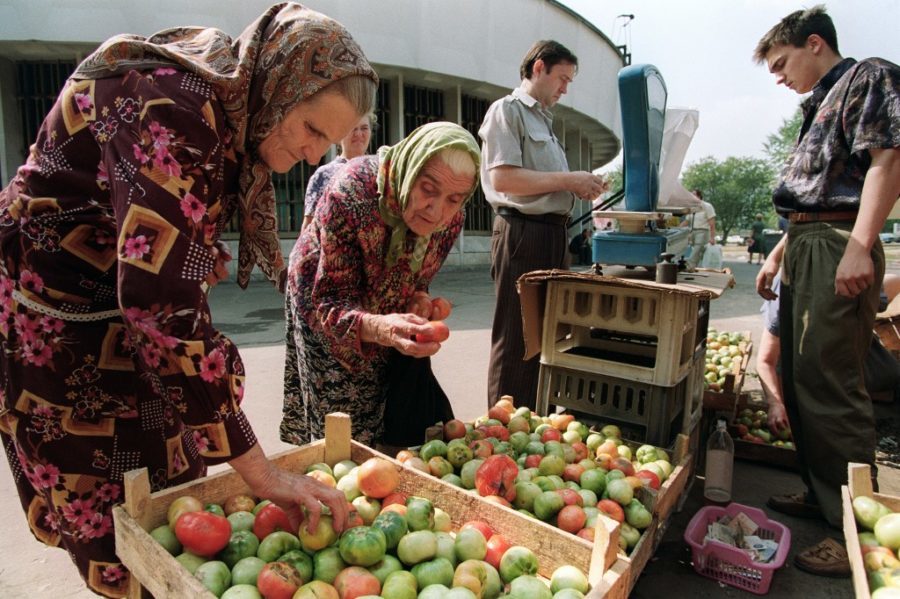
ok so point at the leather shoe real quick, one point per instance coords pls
(795, 504)
(828, 558)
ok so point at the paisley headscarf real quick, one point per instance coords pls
(399, 165)
(286, 55)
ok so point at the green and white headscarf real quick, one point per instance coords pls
(399, 165)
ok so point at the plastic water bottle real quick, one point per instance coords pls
(719, 465)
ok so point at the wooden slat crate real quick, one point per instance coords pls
(859, 482)
(164, 577)
(765, 453)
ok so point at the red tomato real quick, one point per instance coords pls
(269, 519)
(650, 477)
(481, 527)
(570, 497)
(611, 509)
(440, 308)
(571, 519)
(278, 580)
(496, 547)
(439, 333)
(203, 533)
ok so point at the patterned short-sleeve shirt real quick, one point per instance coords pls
(854, 108)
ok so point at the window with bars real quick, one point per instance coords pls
(381, 135)
(479, 215)
(38, 83)
(421, 105)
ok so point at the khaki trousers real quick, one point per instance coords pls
(824, 340)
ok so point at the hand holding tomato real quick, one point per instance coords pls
(399, 331)
(292, 491)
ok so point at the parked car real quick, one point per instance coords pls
(887, 237)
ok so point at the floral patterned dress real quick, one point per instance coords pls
(110, 360)
(337, 273)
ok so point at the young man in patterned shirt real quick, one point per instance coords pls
(836, 188)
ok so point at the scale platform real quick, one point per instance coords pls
(641, 240)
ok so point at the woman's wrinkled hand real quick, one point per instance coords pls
(293, 492)
(399, 331)
(297, 494)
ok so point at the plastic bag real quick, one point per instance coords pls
(414, 400)
(712, 257)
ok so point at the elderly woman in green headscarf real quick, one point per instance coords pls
(358, 276)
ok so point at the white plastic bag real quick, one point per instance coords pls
(712, 257)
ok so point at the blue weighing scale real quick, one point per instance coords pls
(642, 237)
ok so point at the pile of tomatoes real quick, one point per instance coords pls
(396, 547)
(552, 468)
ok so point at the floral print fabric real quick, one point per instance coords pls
(110, 360)
(337, 273)
(288, 54)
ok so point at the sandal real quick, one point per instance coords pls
(828, 558)
(795, 504)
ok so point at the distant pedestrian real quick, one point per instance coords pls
(580, 247)
(703, 230)
(756, 244)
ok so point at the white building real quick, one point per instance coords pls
(438, 60)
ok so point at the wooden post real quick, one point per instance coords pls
(337, 438)
(859, 479)
(136, 485)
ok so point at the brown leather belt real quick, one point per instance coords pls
(550, 219)
(814, 217)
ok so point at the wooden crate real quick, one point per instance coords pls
(164, 577)
(644, 335)
(859, 482)
(727, 399)
(783, 457)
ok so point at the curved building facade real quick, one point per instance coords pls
(438, 60)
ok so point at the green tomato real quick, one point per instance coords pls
(214, 508)
(516, 562)
(242, 543)
(385, 567)
(215, 576)
(302, 563)
(260, 506)
(417, 546)
(399, 585)
(393, 525)
(165, 536)
(277, 544)
(247, 570)
(419, 513)
(190, 561)
(436, 571)
(327, 564)
(363, 546)
(242, 591)
(241, 521)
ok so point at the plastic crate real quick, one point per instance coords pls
(731, 565)
(659, 413)
(642, 334)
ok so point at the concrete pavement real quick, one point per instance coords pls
(253, 318)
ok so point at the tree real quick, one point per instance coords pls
(780, 144)
(738, 189)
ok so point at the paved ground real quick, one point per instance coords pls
(253, 318)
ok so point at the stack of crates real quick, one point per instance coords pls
(626, 354)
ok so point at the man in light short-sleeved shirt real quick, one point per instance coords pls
(703, 230)
(526, 179)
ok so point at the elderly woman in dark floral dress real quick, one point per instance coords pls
(359, 275)
(108, 234)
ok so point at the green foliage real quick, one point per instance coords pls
(780, 144)
(738, 188)
(615, 178)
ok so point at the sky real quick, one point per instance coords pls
(704, 48)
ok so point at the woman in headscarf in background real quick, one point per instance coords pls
(359, 274)
(108, 234)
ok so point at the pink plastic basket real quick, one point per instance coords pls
(732, 565)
